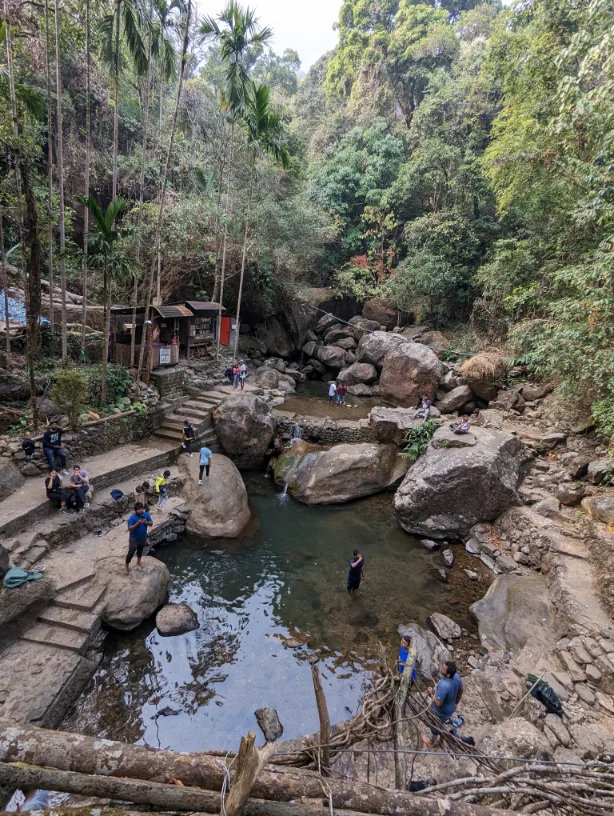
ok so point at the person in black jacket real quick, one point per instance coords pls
(188, 436)
(55, 492)
(52, 447)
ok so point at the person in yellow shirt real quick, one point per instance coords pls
(161, 489)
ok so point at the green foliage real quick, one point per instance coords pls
(418, 439)
(70, 392)
(118, 382)
(355, 281)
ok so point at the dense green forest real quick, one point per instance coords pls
(454, 158)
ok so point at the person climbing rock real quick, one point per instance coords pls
(138, 523)
(161, 490)
(446, 696)
(355, 575)
(407, 656)
(205, 463)
(187, 436)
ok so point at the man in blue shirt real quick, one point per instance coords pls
(407, 656)
(52, 447)
(205, 463)
(138, 523)
(446, 696)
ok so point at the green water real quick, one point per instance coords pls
(285, 578)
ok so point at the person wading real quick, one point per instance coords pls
(355, 575)
(138, 523)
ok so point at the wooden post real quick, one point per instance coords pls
(250, 761)
(324, 721)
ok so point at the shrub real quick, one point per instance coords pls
(70, 391)
(418, 439)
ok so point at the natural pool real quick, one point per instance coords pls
(285, 578)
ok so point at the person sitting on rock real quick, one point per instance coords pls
(52, 447)
(446, 696)
(423, 407)
(461, 427)
(79, 486)
(55, 492)
(407, 656)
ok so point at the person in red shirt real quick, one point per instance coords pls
(342, 390)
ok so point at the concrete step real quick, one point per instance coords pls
(200, 407)
(77, 620)
(82, 598)
(176, 421)
(65, 583)
(168, 433)
(59, 636)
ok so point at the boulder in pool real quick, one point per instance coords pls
(430, 651)
(340, 474)
(176, 619)
(244, 427)
(220, 508)
(450, 489)
(358, 373)
(409, 371)
(131, 599)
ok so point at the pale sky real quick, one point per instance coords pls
(304, 25)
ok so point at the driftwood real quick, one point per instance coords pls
(400, 743)
(250, 761)
(88, 755)
(324, 720)
(253, 807)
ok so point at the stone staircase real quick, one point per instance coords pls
(197, 409)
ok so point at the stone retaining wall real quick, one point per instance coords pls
(168, 382)
(324, 431)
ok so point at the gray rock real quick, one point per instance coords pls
(515, 738)
(599, 470)
(579, 653)
(360, 390)
(325, 323)
(599, 508)
(340, 474)
(455, 399)
(556, 726)
(430, 545)
(551, 440)
(392, 424)
(4, 562)
(445, 627)
(332, 357)
(176, 619)
(445, 437)
(515, 611)
(346, 343)
(310, 348)
(549, 508)
(30, 469)
(268, 721)
(430, 651)
(585, 694)
(409, 371)
(10, 478)
(275, 336)
(131, 599)
(448, 557)
(244, 427)
(570, 494)
(449, 490)
(473, 576)
(341, 332)
(571, 667)
(359, 373)
(593, 675)
(220, 507)
(376, 310)
(449, 381)
(473, 546)
(372, 348)
(442, 576)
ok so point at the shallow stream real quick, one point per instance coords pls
(284, 579)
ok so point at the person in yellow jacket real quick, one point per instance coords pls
(161, 489)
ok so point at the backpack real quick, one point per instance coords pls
(28, 446)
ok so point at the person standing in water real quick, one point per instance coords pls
(355, 575)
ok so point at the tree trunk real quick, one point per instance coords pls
(49, 169)
(5, 286)
(88, 141)
(324, 721)
(244, 256)
(89, 755)
(225, 241)
(58, 91)
(116, 101)
(400, 743)
(105, 342)
(146, 106)
(216, 280)
(250, 761)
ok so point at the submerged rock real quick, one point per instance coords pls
(244, 426)
(448, 490)
(220, 508)
(340, 474)
(131, 599)
(176, 619)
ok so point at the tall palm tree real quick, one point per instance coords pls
(156, 261)
(103, 245)
(234, 30)
(127, 20)
(266, 133)
(60, 158)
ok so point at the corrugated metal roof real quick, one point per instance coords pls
(204, 306)
(173, 311)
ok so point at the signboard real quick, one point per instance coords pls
(165, 356)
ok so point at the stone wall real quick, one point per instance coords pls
(93, 438)
(168, 382)
(324, 431)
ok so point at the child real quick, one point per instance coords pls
(161, 489)
(342, 390)
(332, 392)
(188, 436)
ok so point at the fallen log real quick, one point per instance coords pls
(89, 755)
(252, 807)
(400, 743)
(324, 720)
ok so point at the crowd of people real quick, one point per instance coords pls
(236, 374)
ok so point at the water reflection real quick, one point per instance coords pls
(286, 579)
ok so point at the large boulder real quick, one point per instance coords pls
(597, 508)
(373, 347)
(515, 611)
(331, 356)
(176, 619)
(436, 341)
(409, 371)
(358, 373)
(274, 334)
(430, 651)
(455, 399)
(376, 310)
(10, 478)
(338, 333)
(448, 490)
(310, 348)
(220, 508)
(393, 424)
(445, 437)
(244, 427)
(4, 562)
(340, 474)
(131, 599)
(267, 377)
(21, 606)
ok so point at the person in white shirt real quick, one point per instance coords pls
(332, 392)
